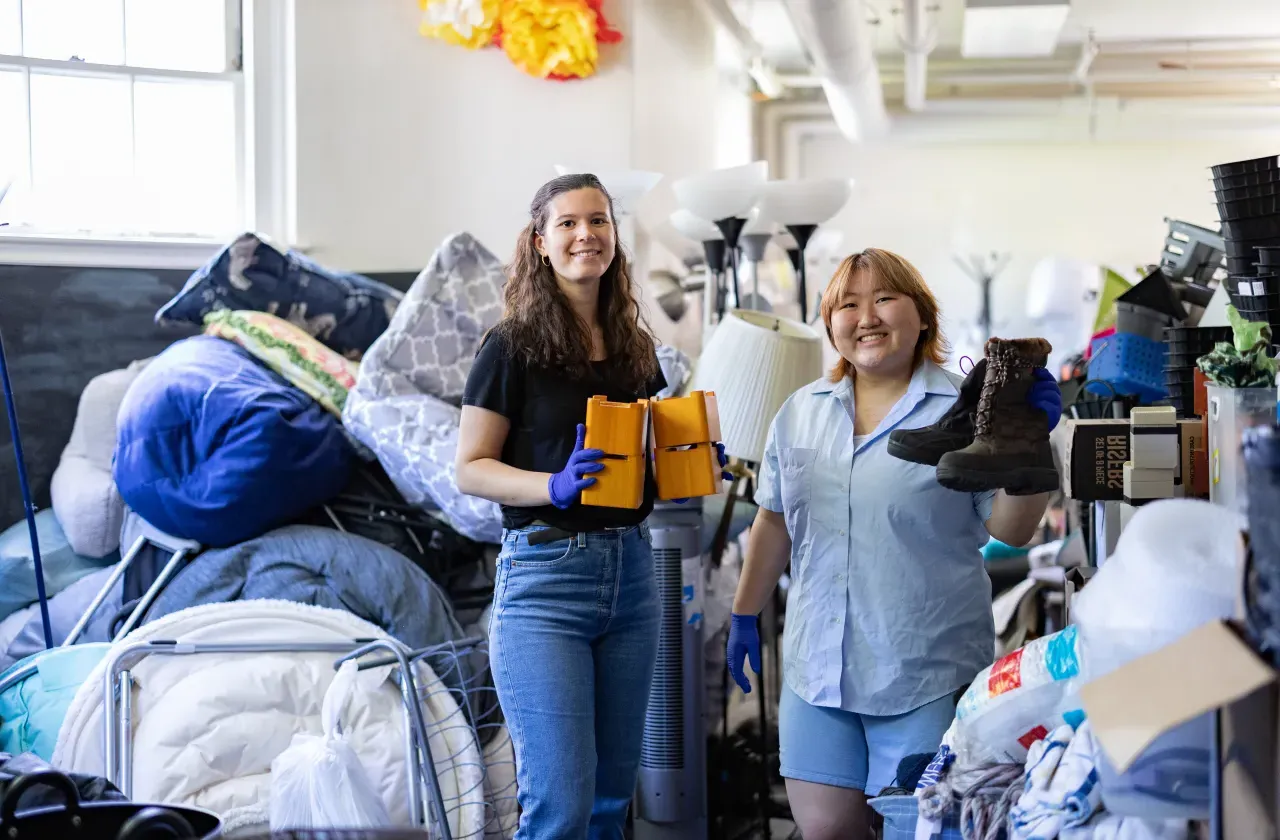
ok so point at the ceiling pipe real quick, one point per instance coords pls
(1185, 45)
(836, 36)
(722, 16)
(917, 40)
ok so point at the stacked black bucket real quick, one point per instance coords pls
(1184, 346)
(1248, 195)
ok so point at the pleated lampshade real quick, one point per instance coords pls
(753, 362)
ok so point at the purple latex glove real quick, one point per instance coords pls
(565, 486)
(744, 645)
(1045, 395)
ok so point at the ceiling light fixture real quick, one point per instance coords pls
(1012, 28)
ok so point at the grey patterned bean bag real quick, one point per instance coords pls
(404, 405)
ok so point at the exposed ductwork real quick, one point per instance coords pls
(836, 36)
(917, 40)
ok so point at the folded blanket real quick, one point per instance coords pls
(1060, 788)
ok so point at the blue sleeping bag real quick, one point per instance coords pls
(213, 447)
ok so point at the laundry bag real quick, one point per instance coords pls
(1021, 698)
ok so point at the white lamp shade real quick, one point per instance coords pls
(625, 186)
(753, 362)
(826, 243)
(722, 193)
(804, 202)
(695, 227)
(759, 222)
(664, 233)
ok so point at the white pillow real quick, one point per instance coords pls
(84, 494)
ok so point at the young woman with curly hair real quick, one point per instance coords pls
(574, 630)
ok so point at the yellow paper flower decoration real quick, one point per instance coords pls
(550, 38)
(463, 23)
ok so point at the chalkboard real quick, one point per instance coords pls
(63, 326)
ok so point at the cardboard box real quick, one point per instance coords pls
(1210, 669)
(1095, 456)
(1097, 449)
(1194, 458)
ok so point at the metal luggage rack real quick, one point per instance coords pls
(480, 714)
(118, 710)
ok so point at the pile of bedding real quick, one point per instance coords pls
(304, 446)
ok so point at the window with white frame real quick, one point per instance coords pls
(121, 118)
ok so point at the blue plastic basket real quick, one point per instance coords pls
(1132, 364)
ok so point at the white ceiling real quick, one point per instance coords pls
(1110, 20)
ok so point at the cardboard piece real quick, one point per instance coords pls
(1194, 459)
(1134, 705)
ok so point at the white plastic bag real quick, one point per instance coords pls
(319, 782)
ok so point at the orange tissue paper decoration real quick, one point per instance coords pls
(463, 23)
(552, 39)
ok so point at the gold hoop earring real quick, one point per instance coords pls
(546, 260)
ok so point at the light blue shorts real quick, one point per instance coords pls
(849, 750)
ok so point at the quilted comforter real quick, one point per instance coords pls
(206, 727)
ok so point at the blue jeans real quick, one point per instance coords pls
(573, 640)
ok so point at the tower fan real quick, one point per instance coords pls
(671, 797)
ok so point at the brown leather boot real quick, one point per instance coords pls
(1010, 449)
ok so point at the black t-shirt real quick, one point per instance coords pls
(545, 408)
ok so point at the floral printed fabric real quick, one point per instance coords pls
(346, 312)
(310, 366)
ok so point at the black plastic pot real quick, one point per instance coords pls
(1245, 167)
(99, 820)
(1245, 248)
(1239, 265)
(1194, 340)
(1247, 179)
(1268, 256)
(1260, 227)
(1248, 208)
(1250, 193)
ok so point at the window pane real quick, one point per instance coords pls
(185, 144)
(82, 153)
(91, 30)
(10, 20)
(13, 143)
(176, 34)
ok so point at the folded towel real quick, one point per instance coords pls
(1060, 787)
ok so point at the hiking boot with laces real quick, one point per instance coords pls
(1010, 450)
(953, 431)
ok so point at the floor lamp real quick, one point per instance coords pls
(801, 206)
(757, 233)
(715, 251)
(724, 197)
(754, 362)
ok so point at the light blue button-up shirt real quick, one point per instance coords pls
(890, 605)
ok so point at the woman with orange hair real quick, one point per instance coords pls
(889, 609)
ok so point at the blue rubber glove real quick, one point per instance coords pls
(565, 486)
(744, 644)
(725, 474)
(1045, 395)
